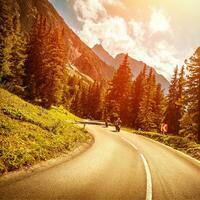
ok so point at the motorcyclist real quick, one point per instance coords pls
(118, 124)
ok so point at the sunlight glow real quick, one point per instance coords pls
(159, 22)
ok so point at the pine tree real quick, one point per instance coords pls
(180, 98)
(190, 123)
(146, 118)
(95, 101)
(75, 106)
(187, 126)
(33, 61)
(136, 97)
(70, 90)
(18, 57)
(79, 104)
(6, 43)
(175, 107)
(12, 47)
(159, 107)
(83, 103)
(46, 71)
(131, 115)
(119, 92)
(54, 70)
(171, 117)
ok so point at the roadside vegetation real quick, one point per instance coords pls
(33, 65)
(29, 133)
(184, 144)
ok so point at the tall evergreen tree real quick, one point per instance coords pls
(12, 47)
(6, 39)
(136, 97)
(95, 101)
(146, 118)
(79, 104)
(18, 53)
(171, 117)
(70, 90)
(75, 106)
(83, 111)
(46, 70)
(180, 97)
(119, 93)
(159, 107)
(190, 123)
(175, 108)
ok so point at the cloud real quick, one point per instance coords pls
(89, 10)
(93, 9)
(146, 41)
(113, 2)
(163, 57)
(136, 29)
(158, 21)
(112, 32)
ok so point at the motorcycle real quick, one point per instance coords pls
(118, 127)
(106, 124)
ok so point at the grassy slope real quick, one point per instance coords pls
(182, 144)
(30, 133)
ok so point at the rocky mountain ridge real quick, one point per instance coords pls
(135, 65)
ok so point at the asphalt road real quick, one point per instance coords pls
(117, 166)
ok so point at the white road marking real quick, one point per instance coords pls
(129, 142)
(147, 170)
(149, 181)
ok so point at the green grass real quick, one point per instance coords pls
(29, 134)
(183, 144)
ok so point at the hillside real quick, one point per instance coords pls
(29, 133)
(78, 53)
(74, 72)
(135, 65)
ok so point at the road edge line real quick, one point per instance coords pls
(185, 155)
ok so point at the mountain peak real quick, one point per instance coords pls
(120, 55)
(135, 65)
(99, 47)
(103, 54)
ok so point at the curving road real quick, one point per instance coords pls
(117, 166)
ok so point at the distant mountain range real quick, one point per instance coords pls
(96, 63)
(135, 65)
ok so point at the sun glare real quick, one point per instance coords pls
(159, 22)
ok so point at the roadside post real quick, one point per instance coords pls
(84, 125)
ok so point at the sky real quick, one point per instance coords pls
(161, 33)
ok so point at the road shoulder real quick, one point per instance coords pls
(20, 174)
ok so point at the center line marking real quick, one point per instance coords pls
(147, 170)
(129, 143)
(149, 180)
